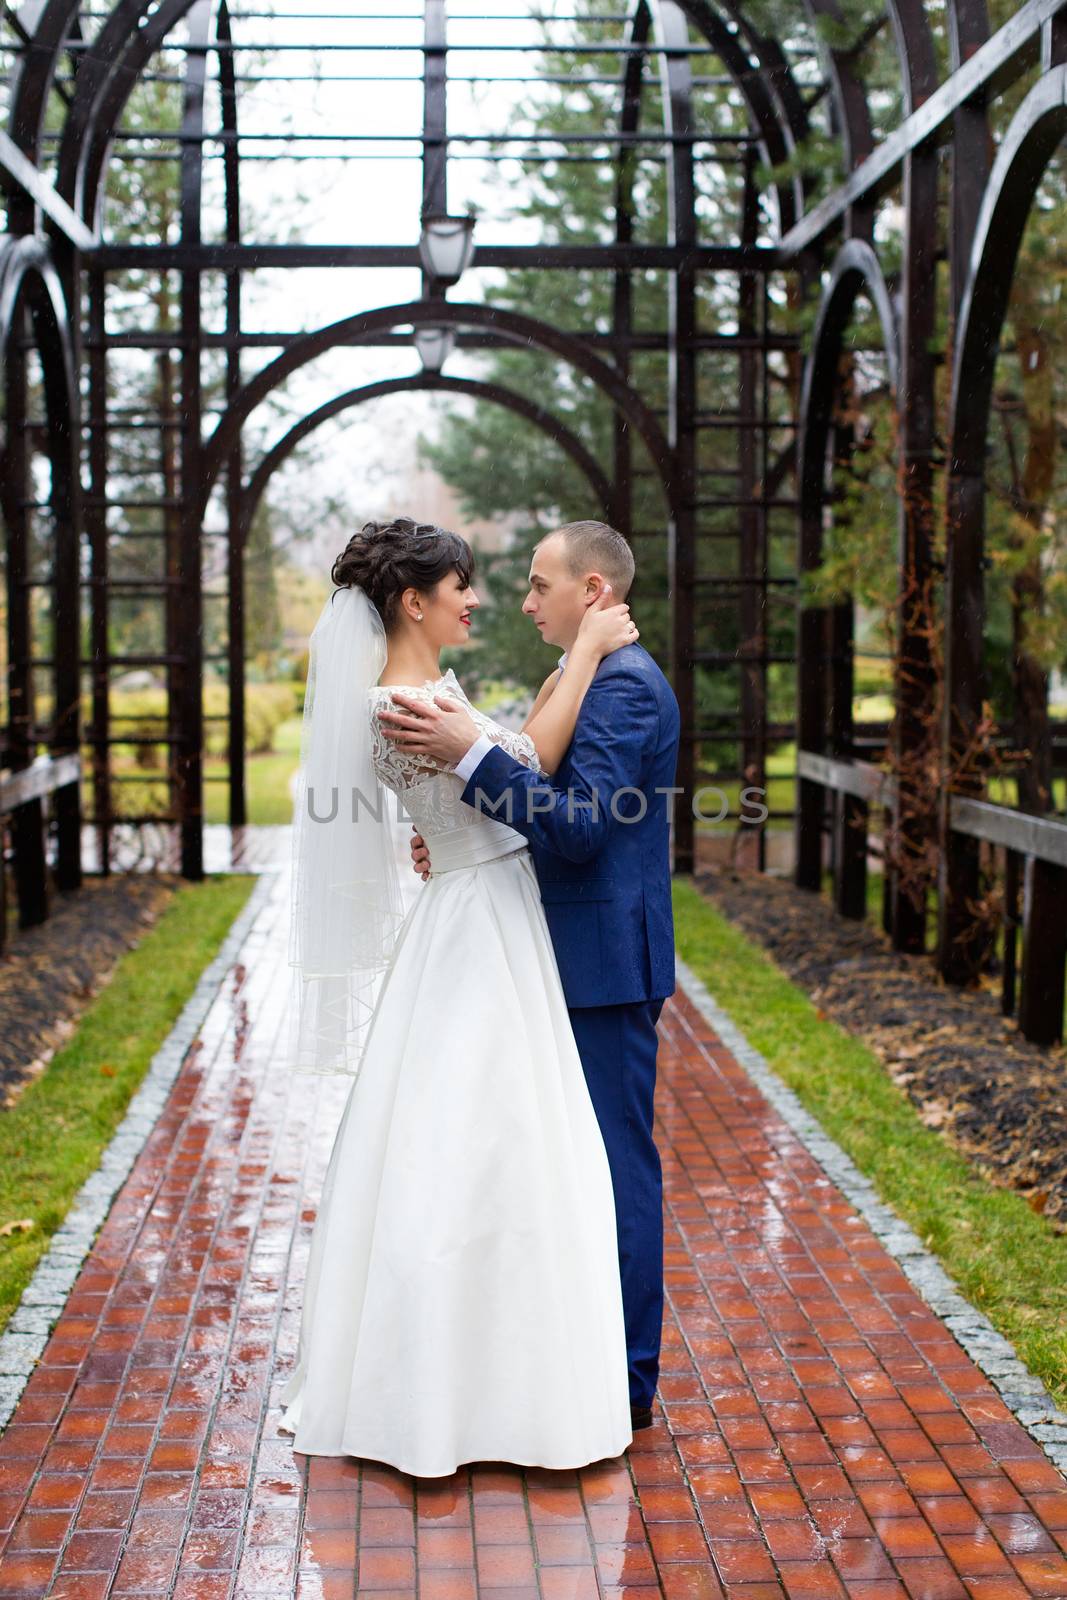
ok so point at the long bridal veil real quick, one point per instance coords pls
(347, 904)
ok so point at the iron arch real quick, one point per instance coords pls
(495, 393)
(513, 325)
(1033, 135)
(775, 132)
(28, 277)
(855, 270)
(107, 79)
(27, 267)
(36, 73)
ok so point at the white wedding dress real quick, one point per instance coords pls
(463, 1300)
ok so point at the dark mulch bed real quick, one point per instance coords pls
(50, 973)
(964, 1065)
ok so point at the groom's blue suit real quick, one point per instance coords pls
(599, 837)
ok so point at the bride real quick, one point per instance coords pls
(462, 1300)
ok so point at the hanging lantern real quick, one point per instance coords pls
(434, 345)
(446, 246)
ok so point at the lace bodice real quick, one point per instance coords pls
(431, 792)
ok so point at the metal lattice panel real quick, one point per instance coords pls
(719, 103)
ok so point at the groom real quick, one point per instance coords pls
(599, 838)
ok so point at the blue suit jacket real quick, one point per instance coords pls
(599, 833)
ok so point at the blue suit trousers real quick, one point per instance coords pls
(617, 1045)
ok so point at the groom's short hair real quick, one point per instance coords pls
(597, 547)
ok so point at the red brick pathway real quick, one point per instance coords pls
(819, 1432)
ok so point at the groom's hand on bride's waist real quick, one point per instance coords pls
(444, 730)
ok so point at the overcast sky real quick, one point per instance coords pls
(372, 194)
(363, 75)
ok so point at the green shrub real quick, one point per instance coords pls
(143, 713)
(268, 705)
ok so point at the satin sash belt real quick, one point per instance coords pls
(485, 840)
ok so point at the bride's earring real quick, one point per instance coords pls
(418, 616)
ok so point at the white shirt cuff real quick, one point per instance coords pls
(466, 764)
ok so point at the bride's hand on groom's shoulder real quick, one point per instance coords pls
(606, 627)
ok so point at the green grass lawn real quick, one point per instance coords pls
(53, 1136)
(1005, 1257)
(266, 777)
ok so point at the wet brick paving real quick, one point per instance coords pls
(818, 1431)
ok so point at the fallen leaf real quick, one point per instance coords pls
(19, 1225)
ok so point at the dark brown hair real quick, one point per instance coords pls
(385, 558)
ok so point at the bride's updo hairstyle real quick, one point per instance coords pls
(385, 558)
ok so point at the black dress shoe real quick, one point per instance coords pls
(640, 1417)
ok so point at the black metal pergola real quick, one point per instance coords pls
(963, 198)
